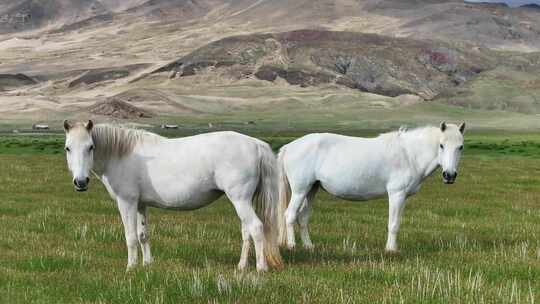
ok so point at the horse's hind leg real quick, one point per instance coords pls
(303, 218)
(291, 214)
(251, 226)
(142, 234)
(245, 248)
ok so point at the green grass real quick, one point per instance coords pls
(476, 241)
(31, 144)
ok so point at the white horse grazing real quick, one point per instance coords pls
(360, 169)
(141, 169)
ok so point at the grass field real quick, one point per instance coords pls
(476, 241)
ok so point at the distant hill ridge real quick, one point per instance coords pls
(491, 25)
(22, 15)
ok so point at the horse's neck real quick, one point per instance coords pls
(100, 163)
(102, 158)
(422, 150)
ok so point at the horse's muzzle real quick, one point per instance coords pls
(81, 185)
(449, 178)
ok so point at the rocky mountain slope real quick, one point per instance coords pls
(367, 62)
(65, 55)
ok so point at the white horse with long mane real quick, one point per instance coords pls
(358, 169)
(141, 169)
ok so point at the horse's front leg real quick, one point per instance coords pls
(128, 212)
(143, 235)
(395, 211)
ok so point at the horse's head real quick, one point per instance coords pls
(79, 152)
(450, 148)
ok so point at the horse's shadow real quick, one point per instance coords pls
(424, 249)
(331, 253)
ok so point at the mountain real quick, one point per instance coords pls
(79, 52)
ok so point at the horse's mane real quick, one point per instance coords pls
(403, 131)
(111, 140)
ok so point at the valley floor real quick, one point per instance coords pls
(474, 241)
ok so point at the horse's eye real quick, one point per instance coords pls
(67, 149)
(442, 147)
(91, 148)
(461, 147)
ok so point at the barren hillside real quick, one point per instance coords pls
(77, 53)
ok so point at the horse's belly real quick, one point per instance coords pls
(354, 192)
(181, 200)
(358, 196)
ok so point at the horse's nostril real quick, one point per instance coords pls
(81, 183)
(449, 176)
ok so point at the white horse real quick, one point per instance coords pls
(359, 169)
(141, 169)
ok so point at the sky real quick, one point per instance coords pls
(512, 3)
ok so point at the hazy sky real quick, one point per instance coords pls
(512, 3)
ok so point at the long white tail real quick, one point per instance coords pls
(266, 207)
(284, 197)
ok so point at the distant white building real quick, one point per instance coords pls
(40, 127)
(169, 126)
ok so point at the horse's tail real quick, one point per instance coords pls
(284, 197)
(265, 200)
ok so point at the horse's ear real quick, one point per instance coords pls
(443, 126)
(462, 128)
(67, 125)
(403, 129)
(89, 125)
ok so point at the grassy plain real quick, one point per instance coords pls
(476, 241)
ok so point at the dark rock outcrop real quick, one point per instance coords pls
(105, 74)
(15, 80)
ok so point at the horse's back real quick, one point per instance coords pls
(319, 147)
(223, 144)
(220, 138)
(213, 153)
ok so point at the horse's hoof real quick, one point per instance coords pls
(309, 247)
(261, 269)
(130, 268)
(392, 252)
(148, 263)
(242, 266)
